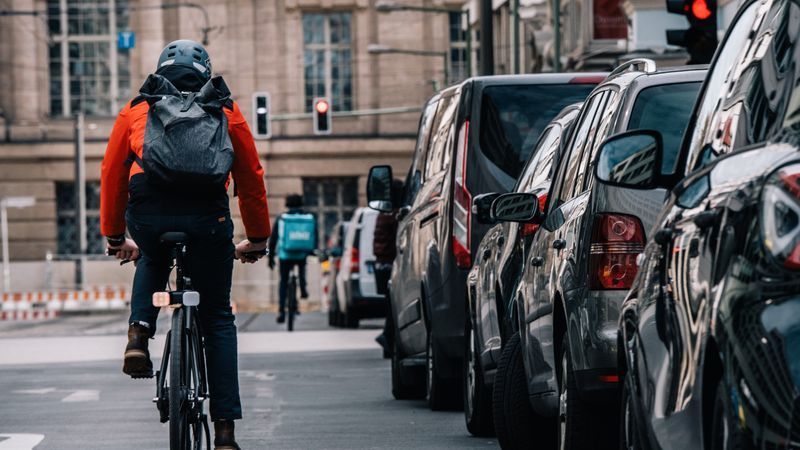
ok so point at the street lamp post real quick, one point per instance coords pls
(387, 6)
(5, 203)
(378, 49)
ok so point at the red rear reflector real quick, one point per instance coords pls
(587, 79)
(609, 378)
(617, 240)
(355, 259)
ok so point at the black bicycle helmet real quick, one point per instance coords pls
(294, 201)
(186, 53)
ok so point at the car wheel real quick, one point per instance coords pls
(350, 319)
(333, 314)
(402, 390)
(444, 394)
(516, 424)
(578, 426)
(477, 397)
(725, 431)
(629, 437)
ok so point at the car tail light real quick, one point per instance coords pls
(617, 239)
(529, 229)
(780, 216)
(462, 218)
(355, 260)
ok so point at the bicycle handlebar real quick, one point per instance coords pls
(114, 251)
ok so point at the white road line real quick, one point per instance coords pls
(35, 391)
(20, 441)
(84, 395)
(50, 350)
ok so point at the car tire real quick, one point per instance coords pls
(725, 431)
(578, 426)
(477, 396)
(401, 389)
(350, 319)
(444, 394)
(516, 424)
(629, 433)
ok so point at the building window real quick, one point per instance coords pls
(327, 59)
(87, 71)
(458, 47)
(66, 214)
(331, 200)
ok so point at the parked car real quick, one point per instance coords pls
(473, 138)
(334, 250)
(357, 292)
(710, 331)
(579, 265)
(496, 271)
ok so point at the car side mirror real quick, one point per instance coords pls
(516, 207)
(482, 208)
(631, 160)
(379, 188)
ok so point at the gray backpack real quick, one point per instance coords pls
(186, 141)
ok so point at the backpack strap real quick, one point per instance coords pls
(134, 158)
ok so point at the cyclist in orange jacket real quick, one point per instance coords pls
(129, 202)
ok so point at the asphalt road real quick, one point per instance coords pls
(299, 391)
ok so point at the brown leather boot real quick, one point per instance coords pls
(223, 436)
(137, 362)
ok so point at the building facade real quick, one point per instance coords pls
(68, 56)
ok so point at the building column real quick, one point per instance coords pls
(25, 117)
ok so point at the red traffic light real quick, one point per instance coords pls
(322, 106)
(701, 9)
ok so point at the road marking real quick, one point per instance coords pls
(84, 395)
(35, 391)
(20, 441)
(261, 376)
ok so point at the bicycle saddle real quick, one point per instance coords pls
(174, 238)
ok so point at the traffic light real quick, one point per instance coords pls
(261, 116)
(700, 40)
(322, 116)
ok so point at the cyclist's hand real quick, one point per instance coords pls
(245, 247)
(127, 251)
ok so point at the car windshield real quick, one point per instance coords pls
(512, 117)
(666, 109)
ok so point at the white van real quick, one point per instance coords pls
(355, 283)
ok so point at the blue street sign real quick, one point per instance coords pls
(126, 40)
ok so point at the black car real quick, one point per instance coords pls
(709, 336)
(486, 285)
(579, 265)
(473, 138)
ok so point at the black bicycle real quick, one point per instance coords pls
(181, 383)
(291, 298)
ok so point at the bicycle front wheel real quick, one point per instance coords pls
(178, 383)
(292, 300)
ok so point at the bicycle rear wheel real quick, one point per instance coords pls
(178, 383)
(292, 302)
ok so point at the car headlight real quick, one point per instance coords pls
(780, 216)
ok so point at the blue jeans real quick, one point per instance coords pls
(209, 264)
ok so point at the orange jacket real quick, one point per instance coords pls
(128, 136)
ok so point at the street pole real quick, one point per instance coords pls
(515, 36)
(469, 44)
(487, 37)
(80, 197)
(4, 230)
(557, 35)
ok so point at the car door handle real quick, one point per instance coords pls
(537, 261)
(559, 244)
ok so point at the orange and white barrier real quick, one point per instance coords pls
(94, 299)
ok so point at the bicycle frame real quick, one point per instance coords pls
(185, 365)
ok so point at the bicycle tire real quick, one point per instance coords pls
(292, 302)
(178, 358)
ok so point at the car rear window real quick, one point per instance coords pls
(512, 117)
(666, 109)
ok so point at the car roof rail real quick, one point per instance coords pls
(645, 65)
